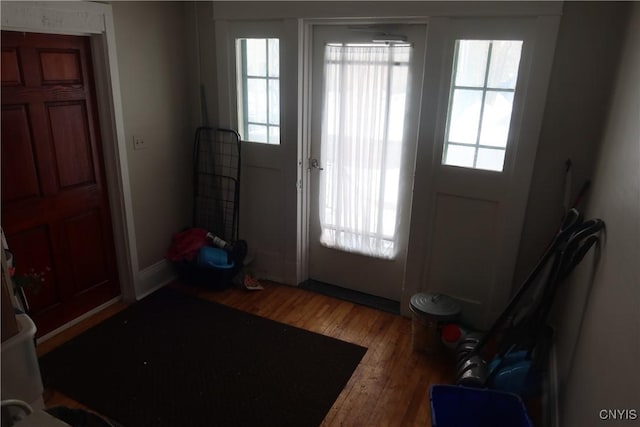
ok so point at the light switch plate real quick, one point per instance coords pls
(139, 143)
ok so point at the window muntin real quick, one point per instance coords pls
(482, 90)
(258, 68)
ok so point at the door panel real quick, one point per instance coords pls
(19, 175)
(465, 233)
(11, 75)
(92, 271)
(60, 67)
(35, 245)
(70, 138)
(55, 211)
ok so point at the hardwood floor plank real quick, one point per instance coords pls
(389, 387)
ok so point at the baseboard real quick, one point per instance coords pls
(550, 402)
(266, 265)
(154, 277)
(150, 279)
(78, 319)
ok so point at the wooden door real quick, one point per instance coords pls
(55, 211)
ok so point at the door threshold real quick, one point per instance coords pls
(372, 301)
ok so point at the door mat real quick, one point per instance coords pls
(372, 301)
(176, 360)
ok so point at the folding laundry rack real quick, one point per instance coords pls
(216, 181)
(216, 200)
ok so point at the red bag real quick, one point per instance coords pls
(185, 245)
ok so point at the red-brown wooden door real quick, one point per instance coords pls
(55, 211)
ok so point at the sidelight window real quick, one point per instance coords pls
(482, 90)
(258, 67)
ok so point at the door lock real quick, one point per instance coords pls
(316, 164)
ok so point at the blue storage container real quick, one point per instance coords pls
(457, 406)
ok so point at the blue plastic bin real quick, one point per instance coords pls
(457, 406)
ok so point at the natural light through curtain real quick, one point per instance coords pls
(362, 132)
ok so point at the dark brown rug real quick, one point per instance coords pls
(175, 360)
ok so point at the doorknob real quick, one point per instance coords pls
(316, 164)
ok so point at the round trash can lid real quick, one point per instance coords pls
(437, 305)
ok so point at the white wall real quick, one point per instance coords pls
(201, 48)
(587, 51)
(598, 317)
(154, 79)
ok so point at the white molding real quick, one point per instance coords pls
(268, 265)
(94, 20)
(78, 320)
(551, 403)
(54, 17)
(231, 10)
(152, 278)
(305, 30)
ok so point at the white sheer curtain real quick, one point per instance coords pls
(361, 147)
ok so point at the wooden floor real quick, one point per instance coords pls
(390, 387)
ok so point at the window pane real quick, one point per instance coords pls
(274, 58)
(274, 102)
(391, 190)
(458, 155)
(471, 62)
(397, 102)
(256, 57)
(257, 100)
(496, 118)
(364, 99)
(401, 55)
(257, 133)
(505, 60)
(490, 159)
(258, 88)
(495, 91)
(465, 116)
(274, 135)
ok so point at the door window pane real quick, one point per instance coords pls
(256, 57)
(505, 59)
(465, 116)
(274, 53)
(274, 102)
(274, 135)
(257, 95)
(460, 155)
(365, 92)
(490, 159)
(496, 117)
(258, 133)
(472, 62)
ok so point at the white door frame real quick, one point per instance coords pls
(96, 21)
